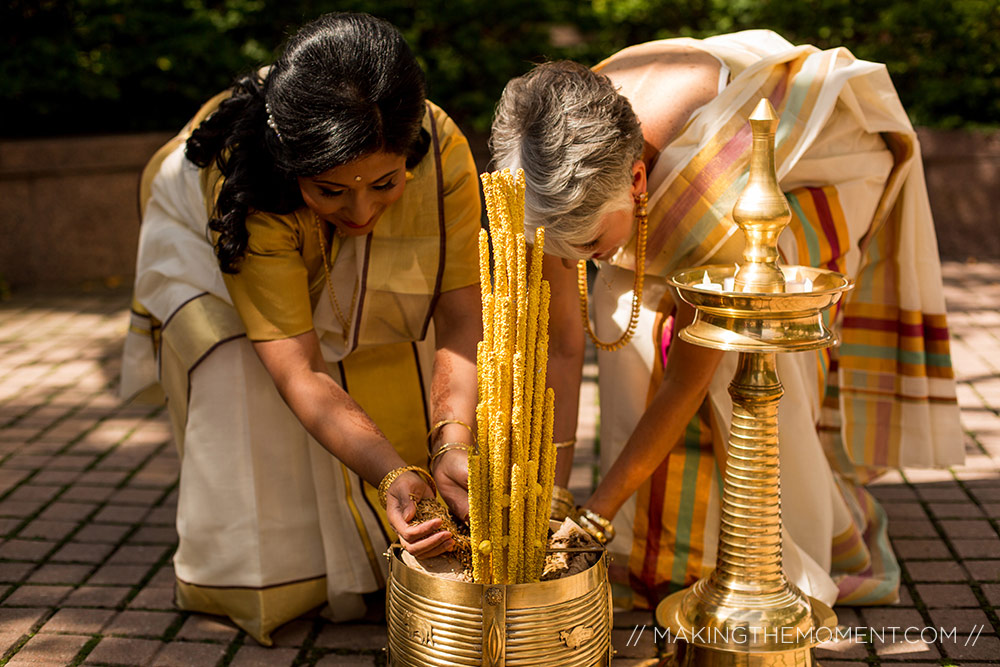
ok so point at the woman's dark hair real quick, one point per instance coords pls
(346, 86)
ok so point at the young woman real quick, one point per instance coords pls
(307, 283)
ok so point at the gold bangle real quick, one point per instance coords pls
(564, 443)
(595, 524)
(562, 503)
(446, 447)
(390, 477)
(444, 422)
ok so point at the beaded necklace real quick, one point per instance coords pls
(640, 263)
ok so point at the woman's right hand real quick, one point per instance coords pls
(451, 473)
(425, 539)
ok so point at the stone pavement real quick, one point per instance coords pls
(88, 494)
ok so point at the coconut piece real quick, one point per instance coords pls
(559, 564)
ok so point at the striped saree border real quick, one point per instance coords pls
(668, 551)
(692, 215)
(863, 564)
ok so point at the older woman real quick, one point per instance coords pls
(637, 165)
(308, 271)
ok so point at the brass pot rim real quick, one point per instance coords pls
(555, 589)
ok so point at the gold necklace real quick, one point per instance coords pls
(345, 323)
(640, 264)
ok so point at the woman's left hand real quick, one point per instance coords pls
(425, 539)
(451, 473)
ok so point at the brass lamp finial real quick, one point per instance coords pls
(761, 211)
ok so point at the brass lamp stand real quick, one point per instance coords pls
(747, 612)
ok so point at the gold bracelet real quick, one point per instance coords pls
(390, 477)
(444, 422)
(595, 524)
(446, 447)
(562, 503)
(564, 443)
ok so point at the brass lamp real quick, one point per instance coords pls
(747, 612)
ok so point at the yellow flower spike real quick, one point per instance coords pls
(537, 257)
(547, 464)
(530, 358)
(524, 352)
(488, 321)
(515, 553)
(489, 193)
(531, 338)
(503, 237)
(478, 491)
(505, 367)
(541, 367)
(501, 464)
(490, 187)
(497, 492)
(503, 418)
(501, 304)
(485, 282)
(519, 446)
(513, 291)
(518, 450)
(490, 513)
(529, 522)
(475, 524)
(484, 372)
(510, 342)
(503, 181)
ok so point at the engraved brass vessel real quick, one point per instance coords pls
(433, 621)
(747, 612)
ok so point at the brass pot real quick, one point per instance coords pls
(433, 621)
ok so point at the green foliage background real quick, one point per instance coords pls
(86, 66)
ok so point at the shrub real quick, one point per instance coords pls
(85, 66)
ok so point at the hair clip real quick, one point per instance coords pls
(270, 121)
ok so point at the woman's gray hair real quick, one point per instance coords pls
(577, 139)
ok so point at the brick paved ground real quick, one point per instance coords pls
(88, 493)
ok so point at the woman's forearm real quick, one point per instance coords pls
(453, 396)
(324, 409)
(454, 388)
(687, 375)
(340, 425)
(564, 376)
